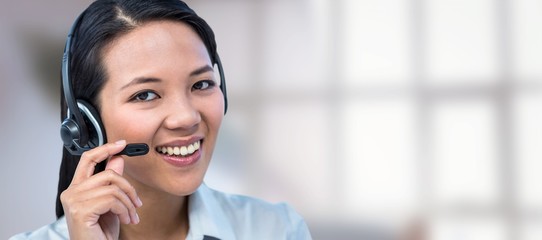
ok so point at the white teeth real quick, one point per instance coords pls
(191, 149)
(176, 151)
(182, 151)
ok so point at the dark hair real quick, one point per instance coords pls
(101, 23)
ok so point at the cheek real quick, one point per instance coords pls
(131, 126)
(213, 112)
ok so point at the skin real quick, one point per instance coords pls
(177, 102)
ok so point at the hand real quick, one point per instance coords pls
(95, 205)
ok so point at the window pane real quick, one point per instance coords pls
(531, 230)
(294, 44)
(380, 166)
(461, 41)
(293, 155)
(464, 160)
(528, 112)
(526, 38)
(375, 42)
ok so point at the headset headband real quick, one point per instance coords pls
(71, 102)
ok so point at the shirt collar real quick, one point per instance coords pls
(206, 216)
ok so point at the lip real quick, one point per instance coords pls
(182, 161)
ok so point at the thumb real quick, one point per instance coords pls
(116, 164)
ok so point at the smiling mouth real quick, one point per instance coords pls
(179, 151)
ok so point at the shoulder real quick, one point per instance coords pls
(238, 206)
(57, 230)
(250, 217)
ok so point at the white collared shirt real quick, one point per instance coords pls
(216, 215)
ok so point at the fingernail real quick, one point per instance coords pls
(120, 142)
(136, 218)
(139, 203)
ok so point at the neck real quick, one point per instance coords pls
(162, 216)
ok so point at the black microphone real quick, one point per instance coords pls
(134, 149)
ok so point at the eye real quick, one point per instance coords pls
(205, 84)
(144, 96)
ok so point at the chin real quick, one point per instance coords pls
(177, 183)
(184, 188)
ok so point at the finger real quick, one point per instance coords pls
(115, 195)
(101, 206)
(89, 206)
(107, 178)
(91, 158)
(123, 214)
(116, 164)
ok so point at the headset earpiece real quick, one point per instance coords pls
(79, 139)
(69, 132)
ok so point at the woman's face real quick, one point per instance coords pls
(161, 90)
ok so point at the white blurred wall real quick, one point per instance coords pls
(371, 118)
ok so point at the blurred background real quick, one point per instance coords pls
(389, 119)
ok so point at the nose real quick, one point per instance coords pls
(181, 115)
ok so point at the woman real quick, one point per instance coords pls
(143, 72)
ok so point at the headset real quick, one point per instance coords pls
(82, 129)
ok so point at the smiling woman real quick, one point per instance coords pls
(143, 72)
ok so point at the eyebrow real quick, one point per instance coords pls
(201, 70)
(141, 80)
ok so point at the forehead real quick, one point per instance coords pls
(153, 46)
